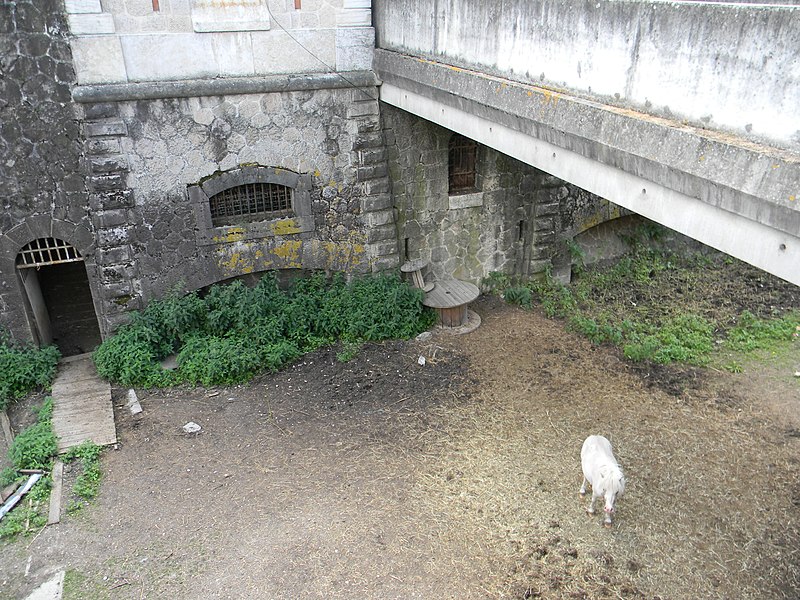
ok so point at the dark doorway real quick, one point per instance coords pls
(66, 294)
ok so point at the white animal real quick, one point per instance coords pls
(603, 473)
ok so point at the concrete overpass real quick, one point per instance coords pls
(683, 112)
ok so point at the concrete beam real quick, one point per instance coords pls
(730, 66)
(734, 196)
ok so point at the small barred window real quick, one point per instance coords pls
(462, 158)
(251, 202)
(46, 251)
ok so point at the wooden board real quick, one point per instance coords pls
(54, 515)
(82, 408)
(6, 425)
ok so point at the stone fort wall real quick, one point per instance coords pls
(43, 170)
(519, 221)
(122, 170)
(154, 154)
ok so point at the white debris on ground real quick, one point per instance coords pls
(191, 427)
(52, 589)
(133, 402)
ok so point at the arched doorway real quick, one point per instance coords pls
(59, 298)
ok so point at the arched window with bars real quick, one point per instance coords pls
(251, 202)
(258, 200)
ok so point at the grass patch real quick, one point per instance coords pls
(752, 333)
(235, 332)
(78, 586)
(87, 484)
(664, 307)
(34, 448)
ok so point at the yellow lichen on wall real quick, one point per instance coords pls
(551, 97)
(340, 255)
(237, 262)
(289, 252)
(232, 235)
(241, 258)
(273, 253)
(285, 227)
(606, 212)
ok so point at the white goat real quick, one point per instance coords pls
(601, 471)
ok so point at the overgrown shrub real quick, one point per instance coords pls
(235, 332)
(35, 446)
(24, 368)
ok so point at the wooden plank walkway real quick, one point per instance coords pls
(82, 408)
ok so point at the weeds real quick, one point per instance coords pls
(87, 484)
(623, 305)
(349, 351)
(23, 369)
(752, 333)
(28, 515)
(235, 332)
(34, 448)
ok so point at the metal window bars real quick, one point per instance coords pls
(46, 251)
(251, 202)
(462, 158)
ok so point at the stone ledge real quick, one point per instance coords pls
(119, 92)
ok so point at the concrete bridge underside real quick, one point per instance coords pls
(734, 195)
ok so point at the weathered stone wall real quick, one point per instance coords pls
(518, 223)
(42, 169)
(151, 151)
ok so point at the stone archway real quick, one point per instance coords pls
(22, 284)
(58, 295)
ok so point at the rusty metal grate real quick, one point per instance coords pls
(251, 202)
(462, 155)
(46, 251)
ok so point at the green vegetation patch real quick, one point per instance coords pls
(87, 483)
(34, 448)
(665, 307)
(752, 333)
(24, 369)
(235, 332)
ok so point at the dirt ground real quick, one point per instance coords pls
(384, 478)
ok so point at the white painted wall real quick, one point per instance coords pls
(120, 41)
(728, 66)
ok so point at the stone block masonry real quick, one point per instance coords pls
(147, 154)
(43, 176)
(517, 221)
(112, 204)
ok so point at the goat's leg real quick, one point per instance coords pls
(583, 487)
